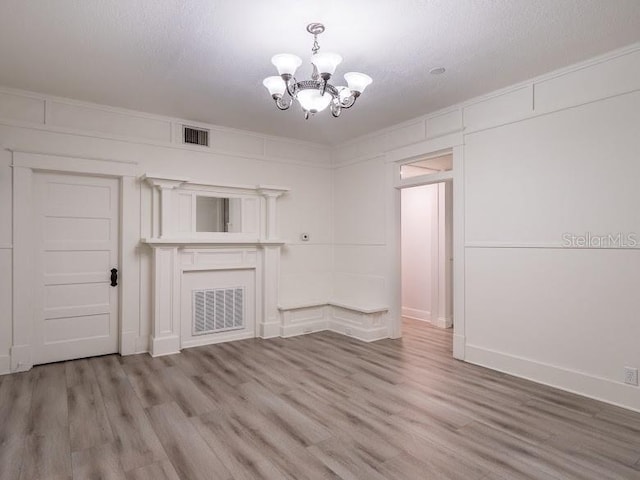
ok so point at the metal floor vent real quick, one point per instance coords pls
(218, 310)
(195, 136)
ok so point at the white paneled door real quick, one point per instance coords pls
(76, 229)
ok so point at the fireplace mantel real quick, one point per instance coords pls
(181, 254)
(174, 209)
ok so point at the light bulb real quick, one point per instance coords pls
(326, 62)
(286, 63)
(357, 81)
(313, 100)
(275, 85)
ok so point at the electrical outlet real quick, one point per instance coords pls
(631, 375)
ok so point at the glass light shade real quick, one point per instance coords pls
(343, 93)
(357, 81)
(275, 85)
(312, 100)
(326, 62)
(286, 63)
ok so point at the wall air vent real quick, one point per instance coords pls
(218, 310)
(195, 136)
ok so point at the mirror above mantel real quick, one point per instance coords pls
(188, 212)
(218, 214)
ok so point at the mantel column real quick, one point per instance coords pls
(269, 324)
(165, 331)
(165, 211)
(271, 195)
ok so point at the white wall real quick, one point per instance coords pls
(359, 218)
(526, 185)
(557, 154)
(419, 222)
(35, 123)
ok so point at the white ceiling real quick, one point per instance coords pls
(204, 60)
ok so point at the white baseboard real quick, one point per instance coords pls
(364, 334)
(425, 316)
(302, 328)
(415, 314)
(442, 322)
(598, 388)
(211, 340)
(459, 342)
(165, 346)
(5, 364)
(269, 330)
(21, 359)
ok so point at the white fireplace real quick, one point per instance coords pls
(216, 260)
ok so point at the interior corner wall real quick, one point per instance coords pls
(237, 158)
(546, 166)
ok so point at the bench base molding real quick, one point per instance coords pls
(366, 323)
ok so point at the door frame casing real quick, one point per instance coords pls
(452, 143)
(24, 165)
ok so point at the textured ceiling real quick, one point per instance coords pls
(204, 60)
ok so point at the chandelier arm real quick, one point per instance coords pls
(333, 91)
(336, 109)
(349, 101)
(283, 104)
(292, 87)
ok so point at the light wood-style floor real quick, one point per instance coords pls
(319, 406)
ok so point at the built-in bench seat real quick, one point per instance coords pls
(345, 303)
(332, 303)
(365, 322)
(368, 309)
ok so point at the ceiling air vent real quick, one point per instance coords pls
(195, 136)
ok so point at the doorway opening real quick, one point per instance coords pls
(426, 243)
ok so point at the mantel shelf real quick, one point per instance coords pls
(190, 242)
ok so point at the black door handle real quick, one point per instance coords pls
(114, 277)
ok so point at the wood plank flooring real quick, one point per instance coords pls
(320, 406)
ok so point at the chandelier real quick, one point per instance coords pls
(316, 94)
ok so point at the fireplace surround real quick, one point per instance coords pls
(212, 286)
